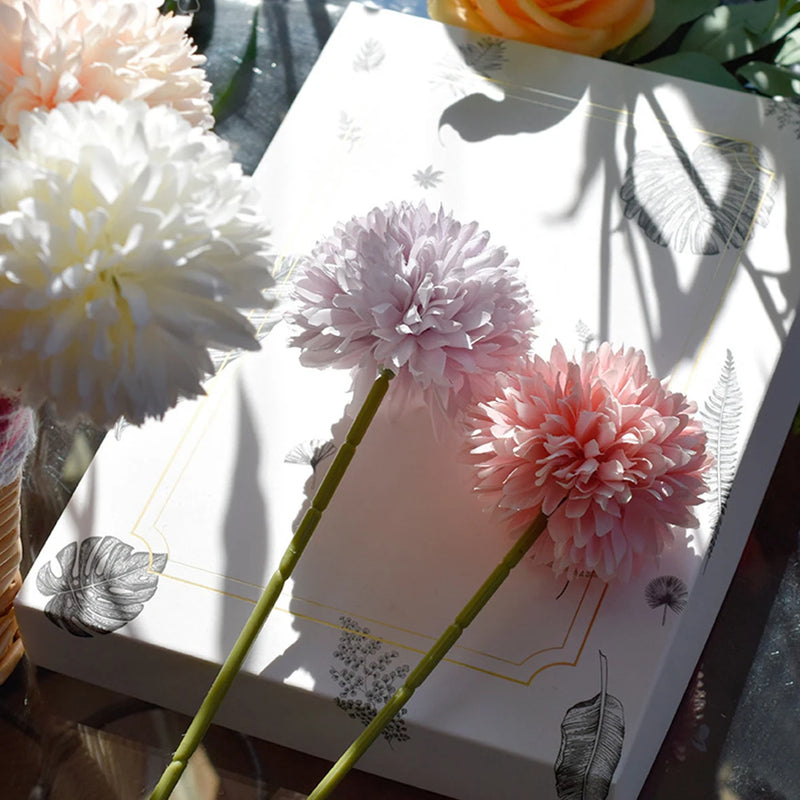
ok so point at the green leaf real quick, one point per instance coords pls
(730, 32)
(236, 90)
(771, 79)
(696, 67)
(668, 17)
(789, 53)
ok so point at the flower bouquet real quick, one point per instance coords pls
(599, 463)
(129, 240)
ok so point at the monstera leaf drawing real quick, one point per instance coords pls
(708, 202)
(592, 733)
(100, 585)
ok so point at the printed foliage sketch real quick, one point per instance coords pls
(667, 591)
(786, 112)
(720, 416)
(365, 679)
(473, 71)
(486, 56)
(312, 453)
(707, 202)
(586, 335)
(262, 319)
(99, 586)
(349, 132)
(592, 734)
(369, 57)
(428, 178)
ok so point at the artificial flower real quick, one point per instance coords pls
(416, 292)
(590, 27)
(17, 437)
(52, 51)
(128, 239)
(601, 446)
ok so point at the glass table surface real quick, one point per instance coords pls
(735, 734)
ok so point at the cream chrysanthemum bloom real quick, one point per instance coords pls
(128, 239)
(53, 51)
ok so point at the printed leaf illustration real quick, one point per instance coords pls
(365, 679)
(312, 453)
(468, 74)
(369, 57)
(262, 319)
(786, 112)
(585, 334)
(487, 55)
(428, 178)
(707, 202)
(720, 417)
(99, 586)
(349, 132)
(667, 591)
(592, 733)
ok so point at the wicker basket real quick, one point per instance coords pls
(10, 579)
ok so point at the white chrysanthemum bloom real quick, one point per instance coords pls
(54, 51)
(128, 239)
(419, 293)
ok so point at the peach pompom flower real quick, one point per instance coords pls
(416, 292)
(129, 239)
(53, 51)
(624, 454)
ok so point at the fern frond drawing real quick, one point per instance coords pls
(708, 201)
(720, 416)
(369, 57)
(365, 679)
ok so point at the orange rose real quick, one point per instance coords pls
(590, 27)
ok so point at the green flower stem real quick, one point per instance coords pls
(208, 709)
(429, 660)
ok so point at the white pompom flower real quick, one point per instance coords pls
(128, 240)
(56, 51)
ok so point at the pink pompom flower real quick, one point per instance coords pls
(624, 454)
(419, 293)
(17, 437)
(55, 51)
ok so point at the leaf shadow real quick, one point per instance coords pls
(246, 531)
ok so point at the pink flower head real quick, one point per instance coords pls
(418, 293)
(17, 437)
(624, 454)
(54, 51)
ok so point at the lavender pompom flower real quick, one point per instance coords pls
(419, 293)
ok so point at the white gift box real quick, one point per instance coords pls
(645, 211)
